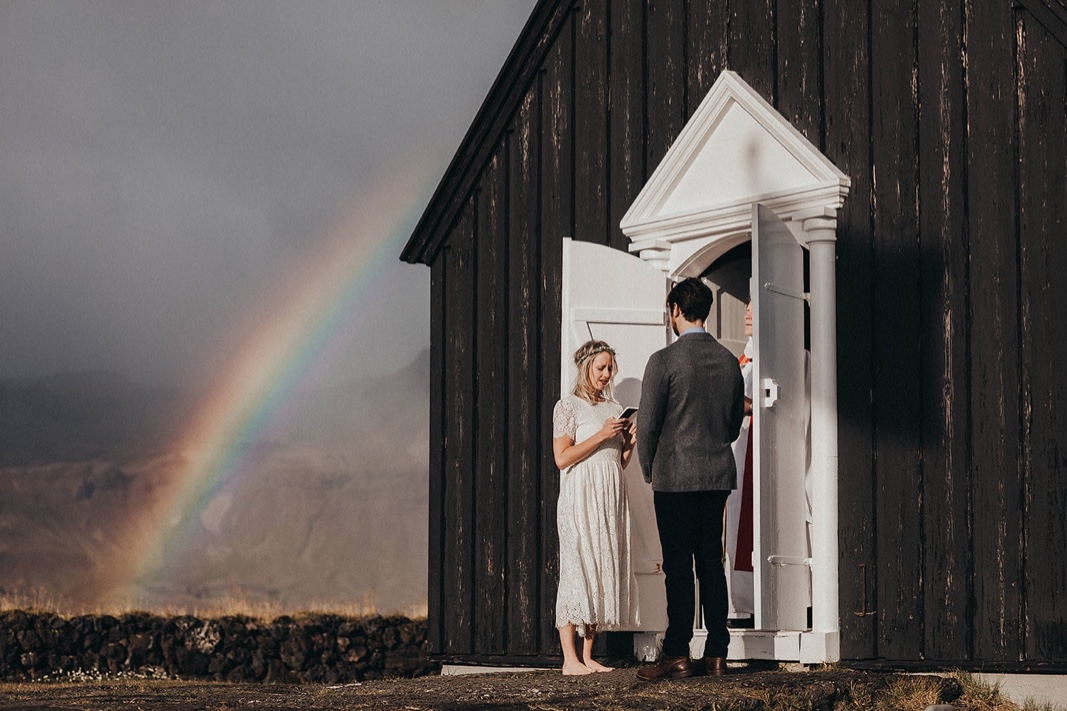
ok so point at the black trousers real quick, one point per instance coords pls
(690, 533)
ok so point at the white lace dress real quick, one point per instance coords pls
(596, 579)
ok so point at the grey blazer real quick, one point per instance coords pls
(692, 404)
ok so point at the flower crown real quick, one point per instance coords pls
(591, 350)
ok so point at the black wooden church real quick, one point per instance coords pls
(935, 134)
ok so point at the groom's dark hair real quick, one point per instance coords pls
(693, 297)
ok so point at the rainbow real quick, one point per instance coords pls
(276, 367)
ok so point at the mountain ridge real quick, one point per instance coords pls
(331, 507)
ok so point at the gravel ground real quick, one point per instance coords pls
(830, 689)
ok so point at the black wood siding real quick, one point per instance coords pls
(950, 120)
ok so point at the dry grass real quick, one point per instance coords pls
(913, 692)
(980, 694)
(918, 692)
(1031, 705)
(988, 697)
(238, 602)
(921, 691)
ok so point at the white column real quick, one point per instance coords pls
(823, 643)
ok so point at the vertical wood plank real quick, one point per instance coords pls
(665, 73)
(460, 426)
(896, 336)
(846, 63)
(799, 36)
(1042, 100)
(707, 45)
(435, 575)
(994, 337)
(943, 388)
(557, 208)
(627, 113)
(491, 466)
(591, 122)
(524, 302)
(752, 45)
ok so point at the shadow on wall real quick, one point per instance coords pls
(628, 392)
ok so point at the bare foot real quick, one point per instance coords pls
(595, 666)
(575, 669)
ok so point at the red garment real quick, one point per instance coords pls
(743, 556)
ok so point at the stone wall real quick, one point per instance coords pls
(305, 648)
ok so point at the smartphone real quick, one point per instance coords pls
(628, 413)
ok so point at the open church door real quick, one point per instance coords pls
(780, 557)
(615, 297)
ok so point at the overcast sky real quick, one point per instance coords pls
(162, 161)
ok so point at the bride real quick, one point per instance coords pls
(592, 444)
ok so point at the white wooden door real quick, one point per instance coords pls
(618, 298)
(781, 558)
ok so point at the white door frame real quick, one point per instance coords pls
(735, 151)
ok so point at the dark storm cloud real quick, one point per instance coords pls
(160, 162)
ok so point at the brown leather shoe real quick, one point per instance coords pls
(668, 668)
(715, 666)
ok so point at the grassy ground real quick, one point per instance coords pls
(238, 603)
(833, 688)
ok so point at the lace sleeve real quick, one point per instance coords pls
(564, 420)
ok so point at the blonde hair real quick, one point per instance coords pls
(583, 359)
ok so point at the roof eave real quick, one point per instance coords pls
(490, 122)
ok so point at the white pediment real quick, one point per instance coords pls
(735, 150)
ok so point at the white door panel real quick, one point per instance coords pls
(615, 297)
(781, 554)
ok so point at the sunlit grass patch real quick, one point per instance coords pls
(238, 603)
(1032, 705)
(981, 694)
(83, 676)
(912, 692)
(35, 600)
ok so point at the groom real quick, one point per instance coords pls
(692, 404)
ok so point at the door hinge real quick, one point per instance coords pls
(863, 611)
(802, 295)
(788, 560)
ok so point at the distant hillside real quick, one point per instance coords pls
(334, 509)
(366, 414)
(80, 416)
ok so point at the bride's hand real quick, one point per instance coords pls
(613, 426)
